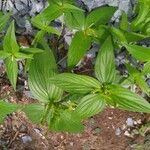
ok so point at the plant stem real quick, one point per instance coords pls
(48, 107)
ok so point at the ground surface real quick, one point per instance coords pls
(110, 130)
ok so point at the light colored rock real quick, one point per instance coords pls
(26, 139)
(29, 94)
(118, 131)
(130, 122)
(126, 133)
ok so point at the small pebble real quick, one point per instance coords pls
(130, 122)
(26, 139)
(124, 127)
(126, 133)
(62, 137)
(37, 131)
(110, 118)
(118, 132)
(139, 121)
(71, 143)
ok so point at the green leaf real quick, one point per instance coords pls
(6, 108)
(134, 37)
(132, 70)
(147, 28)
(66, 122)
(102, 33)
(126, 100)
(43, 25)
(12, 70)
(105, 63)
(74, 83)
(10, 43)
(101, 15)
(118, 34)
(146, 69)
(34, 112)
(90, 105)
(50, 13)
(42, 67)
(4, 54)
(31, 50)
(20, 55)
(50, 29)
(124, 22)
(79, 45)
(70, 8)
(144, 10)
(3, 20)
(138, 79)
(75, 20)
(38, 37)
(139, 52)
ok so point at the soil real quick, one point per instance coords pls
(105, 131)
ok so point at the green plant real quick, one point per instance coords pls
(101, 92)
(65, 99)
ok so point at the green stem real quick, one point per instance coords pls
(48, 107)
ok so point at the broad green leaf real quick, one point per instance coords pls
(73, 98)
(38, 37)
(102, 33)
(132, 70)
(101, 15)
(139, 52)
(3, 20)
(146, 69)
(118, 34)
(43, 25)
(127, 81)
(12, 70)
(50, 13)
(105, 63)
(90, 105)
(134, 37)
(31, 50)
(144, 10)
(79, 45)
(66, 122)
(50, 29)
(6, 109)
(93, 32)
(10, 43)
(42, 67)
(20, 55)
(75, 20)
(126, 100)
(34, 112)
(124, 22)
(138, 79)
(147, 29)
(70, 8)
(74, 83)
(4, 54)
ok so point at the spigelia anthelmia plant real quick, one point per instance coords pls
(66, 98)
